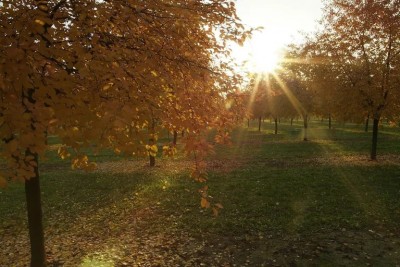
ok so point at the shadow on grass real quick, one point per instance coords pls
(297, 213)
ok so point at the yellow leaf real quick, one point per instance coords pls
(204, 203)
(40, 22)
(215, 211)
(219, 205)
(201, 180)
(107, 86)
(63, 152)
(154, 148)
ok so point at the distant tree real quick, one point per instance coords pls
(258, 98)
(294, 79)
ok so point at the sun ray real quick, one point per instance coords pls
(254, 91)
(292, 98)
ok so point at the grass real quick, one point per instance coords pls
(286, 203)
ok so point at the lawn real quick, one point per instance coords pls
(286, 202)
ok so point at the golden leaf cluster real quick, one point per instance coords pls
(101, 74)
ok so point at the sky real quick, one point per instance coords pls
(282, 21)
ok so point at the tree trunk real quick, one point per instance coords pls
(175, 138)
(152, 161)
(291, 121)
(183, 133)
(34, 208)
(366, 123)
(330, 121)
(374, 138)
(259, 124)
(248, 123)
(276, 125)
(305, 118)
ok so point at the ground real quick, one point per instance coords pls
(286, 203)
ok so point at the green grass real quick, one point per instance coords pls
(286, 203)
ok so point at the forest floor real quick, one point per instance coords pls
(286, 202)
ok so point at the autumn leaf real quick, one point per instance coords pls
(204, 203)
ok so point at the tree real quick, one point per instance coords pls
(258, 98)
(279, 105)
(294, 80)
(95, 73)
(360, 41)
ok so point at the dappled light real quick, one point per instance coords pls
(100, 259)
(199, 133)
(369, 202)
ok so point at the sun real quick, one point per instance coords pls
(263, 61)
(261, 54)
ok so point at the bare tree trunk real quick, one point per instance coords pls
(305, 119)
(330, 121)
(259, 124)
(175, 138)
(34, 208)
(152, 161)
(366, 123)
(276, 125)
(291, 121)
(152, 141)
(374, 137)
(248, 123)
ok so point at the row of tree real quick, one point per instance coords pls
(348, 70)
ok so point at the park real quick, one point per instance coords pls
(285, 202)
(180, 133)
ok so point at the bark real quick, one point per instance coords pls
(276, 126)
(366, 123)
(305, 118)
(374, 138)
(330, 121)
(291, 121)
(34, 209)
(152, 161)
(248, 123)
(175, 137)
(259, 124)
